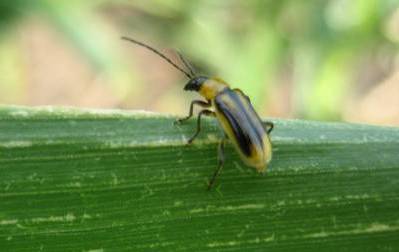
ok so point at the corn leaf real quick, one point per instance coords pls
(95, 180)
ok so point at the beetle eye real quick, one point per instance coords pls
(195, 83)
(192, 85)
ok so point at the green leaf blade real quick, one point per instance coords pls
(81, 180)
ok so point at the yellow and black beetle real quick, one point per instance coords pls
(233, 109)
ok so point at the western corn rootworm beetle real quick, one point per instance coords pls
(233, 109)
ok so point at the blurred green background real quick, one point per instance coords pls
(312, 59)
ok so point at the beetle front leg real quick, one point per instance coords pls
(203, 112)
(220, 162)
(190, 114)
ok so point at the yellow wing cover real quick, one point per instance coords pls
(243, 127)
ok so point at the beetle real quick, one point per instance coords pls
(234, 112)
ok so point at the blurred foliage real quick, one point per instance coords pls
(10, 11)
(317, 47)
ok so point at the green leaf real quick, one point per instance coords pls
(90, 180)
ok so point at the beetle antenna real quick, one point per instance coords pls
(186, 63)
(159, 54)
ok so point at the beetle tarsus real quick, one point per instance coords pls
(179, 121)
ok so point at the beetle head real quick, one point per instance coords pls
(195, 83)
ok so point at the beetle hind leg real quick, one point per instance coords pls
(220, 162)
(269, 126)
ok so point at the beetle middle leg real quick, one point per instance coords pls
(190, 114)
(220, 162)
(203, 112)
(242, 93)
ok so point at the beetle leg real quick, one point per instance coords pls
(268, 126)
(220, 163)
(203, 112)
(190, 114)
(242, 93)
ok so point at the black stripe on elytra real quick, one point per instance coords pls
(235, 99)
(250, 119)
(243, 139)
